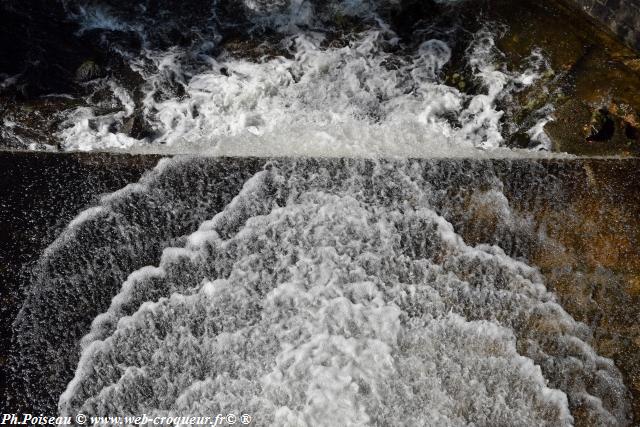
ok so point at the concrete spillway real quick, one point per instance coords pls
(574, 220)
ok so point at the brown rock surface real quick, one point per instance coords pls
(592, 71)
(587, 247)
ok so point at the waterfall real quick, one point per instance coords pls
(302, 256)
(308, 292)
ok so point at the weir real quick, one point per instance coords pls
(324, 213)
(530, 208)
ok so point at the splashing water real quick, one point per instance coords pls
(365, 93)
(305, 292)
(324, 293)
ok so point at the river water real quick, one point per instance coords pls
(323, 280)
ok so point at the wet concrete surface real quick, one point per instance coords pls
(39, 194)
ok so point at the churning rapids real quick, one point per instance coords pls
(315, 89)
(304, 292)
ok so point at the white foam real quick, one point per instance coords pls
(330, 306)
(322, 102)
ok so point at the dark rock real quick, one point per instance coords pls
(581, 129)
(33, 122)
(88, 70)
(37, 41)
(601, 128)
(127, 41)
(164, 23)
(410, 12)
(631, 132)
(137, 127)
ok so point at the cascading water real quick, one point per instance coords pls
(314, 90)
(301, 291)
(322, 289)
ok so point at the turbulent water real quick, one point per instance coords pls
(297, 83)
(306, 292)
(312, 293)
